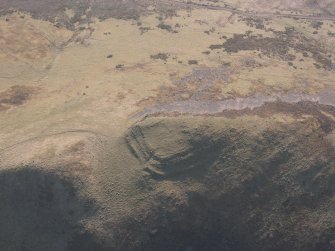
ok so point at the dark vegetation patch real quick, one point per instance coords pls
(53, 10)
(316, 24)
(161, 56)
(144, 29)
(166, 13)
(250, 62)
(211, 30)
(279, 46)
(290, 57)
(268, 45)
(192, 61)
(15, 96)
(257, 23)
(216, 46)
(110, 56)
(166, 27)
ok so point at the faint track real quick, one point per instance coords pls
(99, 136)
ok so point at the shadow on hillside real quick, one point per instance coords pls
(42, 211)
